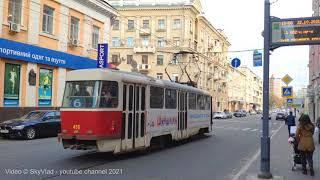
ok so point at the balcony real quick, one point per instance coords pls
(144, 67)
(217, 49)
(216, 76)
(144, 49)
(145, 31)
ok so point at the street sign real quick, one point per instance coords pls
(290, 101)
(287, 92)
(235, 62)
(102, 59)
(295, 31)
(257, 58)
(287, 79)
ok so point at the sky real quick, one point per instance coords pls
(242, 21)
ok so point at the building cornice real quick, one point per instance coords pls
(100, 6)
(155, 8)
(205, 20)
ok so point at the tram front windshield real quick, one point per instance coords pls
(91, 94)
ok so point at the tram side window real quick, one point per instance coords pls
(171, 99)
(192, 101)
(208, 102)
(109, 94)
(156, 97)
(201, 102)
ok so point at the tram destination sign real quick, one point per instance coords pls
(296, 31)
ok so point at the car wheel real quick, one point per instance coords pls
(30, 133)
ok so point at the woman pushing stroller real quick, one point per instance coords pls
(304, 135)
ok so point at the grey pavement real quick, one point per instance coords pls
(281, 160)
(219, 155)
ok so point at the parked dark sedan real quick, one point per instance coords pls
(32, 125)
(281, 116)
(239, 113)
(229, 115)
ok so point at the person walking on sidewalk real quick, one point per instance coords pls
(318, 125)
(304, 135)
(290, 121)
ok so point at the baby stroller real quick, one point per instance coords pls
(296, 155)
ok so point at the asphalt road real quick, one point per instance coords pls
(219, 155)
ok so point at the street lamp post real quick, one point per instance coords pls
(265, 139)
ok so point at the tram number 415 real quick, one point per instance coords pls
(76, 126)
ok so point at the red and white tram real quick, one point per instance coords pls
(110, 110)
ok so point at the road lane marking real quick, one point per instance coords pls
(254, 130)
(253, 159)
(246, 129)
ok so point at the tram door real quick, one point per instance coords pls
(182, 114)
(133, 116)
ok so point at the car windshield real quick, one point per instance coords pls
(33, 115)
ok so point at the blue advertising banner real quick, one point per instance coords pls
(12, 84)
(26, 52)
(102, 59)
(45, 87)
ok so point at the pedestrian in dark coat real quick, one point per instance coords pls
(290, 121)
(304, 135)
(318, 125)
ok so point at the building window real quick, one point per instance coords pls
(159, 75)
(144, 59)
(145, 24)
(45, 87)
(95, 37)
(47, 19)
(160, 60)
(176, 41)
(130, 42)
(74, 28)
(175, 59)
(145, 40)
(161, 24)
(15, 11)
(175, 77)
(115, 41)
(11, 84)
(116, 25)
(129, 59)
(190, 26)
(130, 25)
(161, 42)
(176, 24)
(114, 58)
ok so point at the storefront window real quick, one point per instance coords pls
(45, 87)
(11, 85)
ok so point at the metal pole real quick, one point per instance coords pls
(265, 139)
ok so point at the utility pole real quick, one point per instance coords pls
(265, 139)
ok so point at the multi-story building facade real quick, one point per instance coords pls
(42, 39)
(244, 89)
(275, 86)
(236, 89)
(171, 40)
(314, 73)
(253, 90)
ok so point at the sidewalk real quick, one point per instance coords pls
(281, 160)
